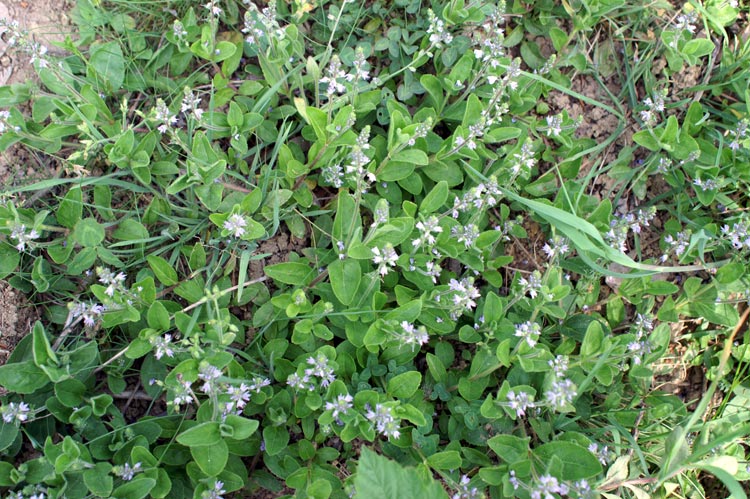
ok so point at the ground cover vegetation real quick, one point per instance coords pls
(381, 249)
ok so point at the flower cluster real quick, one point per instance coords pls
(463, 294)
(162, 346)
(35, 492)
(641, 346)
(556, 247)
(191, 103)
(466, 491)
(601, 452)
(654, 106)
(428, 231)
(677, 244)
(489, 43)
(528, 332)
(319, 368)
(384, 421)
(619, 227)
(235, 224)
(23, 236)
(438, 34)
(384, 258)
(334, 77)
(340, 405)
(127, 472)
(179, 31)
(739, 135)
(20, 39)
(213, 8)
(686, 22)
(531, 285)
(561, 393)
(412, 335)
(162, 114)
(708, 184)
(738, 234)
(358, 160)
(524, 160)
(215, 492)
(519, 402)
(4, 124)
(466, 234)
(546, 485)
(260, 26)
(15, 412)
(554, 125)
(90, 312)
(484, 195)
(115, 282)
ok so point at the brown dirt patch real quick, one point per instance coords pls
(46, 21)
(16, 318)
(277, 248)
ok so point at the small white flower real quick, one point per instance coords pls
(240, 395)
(216, 492)
(127, 472)
(554, 125)
(18, 232)
(15, 412)
(341, 405)
(412, 335)
(385, 258)
(236, 224)
(163, 345)
(213, 8)
(519, 402)
(529, 332)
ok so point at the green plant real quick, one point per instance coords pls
(399, 170)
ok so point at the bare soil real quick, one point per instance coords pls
(16, 318)
(46, 21)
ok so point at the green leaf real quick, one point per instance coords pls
(577, 462)
(379, 477)
(8, 434)
(203, 434)
(698, 47)
(108, 64)
(100, 403)
(42, 350)
(88, 233)
(242, 427)
(22, 377)
(509, 448)
(98, 480)
(71, 208)
(404, 385)
(9, 259)
(345, 276)
(211, 459)
(646, 139)
(162, 270)
(137, 488)
(436, 367)
(730, 272)
(5, 474)
(70, 392)
(276, 439)
(290, 273)
(435, 199)
(447, 460)
(158, 317)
